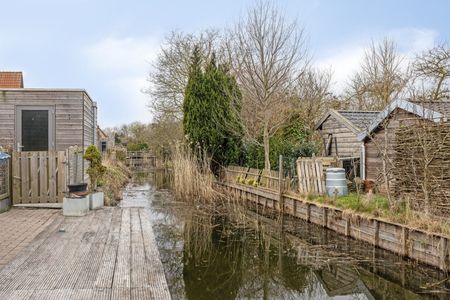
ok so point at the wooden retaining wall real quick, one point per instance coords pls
(427, 248)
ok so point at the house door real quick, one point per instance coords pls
(35, 128)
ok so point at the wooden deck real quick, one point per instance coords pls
(109, 254)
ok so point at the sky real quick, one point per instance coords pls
(108, 46)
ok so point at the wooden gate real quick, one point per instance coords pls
(39, 176)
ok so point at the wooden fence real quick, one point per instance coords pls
(311, 179)
(140, 161)
(4, 179)
(310, 172)
(257, 177)
(39, 176)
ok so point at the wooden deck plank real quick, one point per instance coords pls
(105, 274)
(88, 274)
(54, 253)
(108, 254)
(16, 295)
(122, 271)
(121, 293)
(142, 293)
(138, 273)
(51, 294)
(155, 271)
(71, 261)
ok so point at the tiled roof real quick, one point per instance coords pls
(11, 80)
(361, 119)
(435, 111)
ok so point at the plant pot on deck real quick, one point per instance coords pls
(77, 188)
(76, 206)
(96, 200)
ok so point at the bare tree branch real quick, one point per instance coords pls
(268, 56)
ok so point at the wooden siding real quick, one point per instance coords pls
(375, 146)
(89, 122)
(68, 114)
(347, 141)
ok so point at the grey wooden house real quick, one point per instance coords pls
(339, 130)
(41, 119)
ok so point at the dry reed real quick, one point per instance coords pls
(116, 177)
(193, 179)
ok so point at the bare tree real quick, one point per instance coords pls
(170, 72)
(312, 96)
(432, 67)
(382, 77)
(267, 55)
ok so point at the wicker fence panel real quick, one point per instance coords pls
(422, 167)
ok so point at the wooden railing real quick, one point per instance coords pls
(310, 176)
(256, 177)
(140, 161)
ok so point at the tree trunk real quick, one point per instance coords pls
(266, 149)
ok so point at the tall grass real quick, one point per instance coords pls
(193, 179)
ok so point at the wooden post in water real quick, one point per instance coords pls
(280, 190)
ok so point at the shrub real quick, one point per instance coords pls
(96, 169)
(137, 146)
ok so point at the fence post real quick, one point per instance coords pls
(280, 189)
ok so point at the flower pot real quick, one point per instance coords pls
(75, 207)
(96, 200)
(77, 188)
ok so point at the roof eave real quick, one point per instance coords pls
(410, 107)
(338, 116)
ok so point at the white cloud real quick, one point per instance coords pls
(345, 59)
(123, 64)
(343, 62)
(128, 54)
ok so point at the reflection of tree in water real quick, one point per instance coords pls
(225, 261)
(209, 253)
(212, 259)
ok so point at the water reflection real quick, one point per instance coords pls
(208, 256)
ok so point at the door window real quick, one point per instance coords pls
(35, 130)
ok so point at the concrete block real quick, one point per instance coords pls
(5, 204)
(96, 200)
(75, 207)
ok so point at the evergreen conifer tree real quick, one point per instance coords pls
(211, 111)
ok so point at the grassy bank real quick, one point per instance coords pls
(372, 205)
(116, 177)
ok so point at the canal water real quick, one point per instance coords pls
(244, 255)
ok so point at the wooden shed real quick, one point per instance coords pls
(104, 141)
(47, 130)
(46, 119)
(379, 139)
(339, 130)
